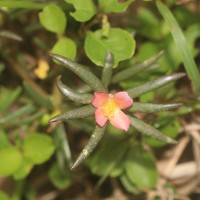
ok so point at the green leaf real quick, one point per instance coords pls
(109, 156)
(65, 47)
(149, 24)
(109, 6)
(27, 120)
(149, 130)
(107, 70)
(95, 138)
(81, 71)
(38, 148)
(128, 185)
(85, 9)
(24, 110)
(152, 85)
(4, 196)
(76, 113)
(38, 98)
(73, 95)
(150, 107)
(192, 34)
(119, 42)
(140, 168)
(21, 4)
(8, 97)
(24, 169)
(60, 179)
(130, 71)
(4, 140)
(11, 160)
(63, 152)
(181, 43)
(168, 125)
(53, 19)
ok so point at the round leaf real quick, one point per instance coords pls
(109, 158)
(24, 169)
(53, 19)
(114, 5)
(38, 148)
(11, 160)
(85, 9)
(59, 179)
(65, 47)
(140, 168)
(129, 186)
(119, 42)
(4, 196)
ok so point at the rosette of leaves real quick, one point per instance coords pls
(109, 77)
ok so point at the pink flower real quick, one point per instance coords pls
(109, 108)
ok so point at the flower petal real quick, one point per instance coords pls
(99, 99)
(123, 100)
(120, 120)
(99, 117)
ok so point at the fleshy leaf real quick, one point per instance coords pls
(119, 42)
(115, 6)
(151, 85)
(127, 73)
(140, 168)
(90, 146)
(168, 125)
(11, 160)
(107, 69)
(81, 112)
(73, 95)
(149, 130)
(38, 148)
(85, 9)
(150, 107)
(81, 71)
(65, 47)
(53, 19)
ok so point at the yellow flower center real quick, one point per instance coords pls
(109, 108)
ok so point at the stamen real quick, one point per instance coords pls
(109, 108)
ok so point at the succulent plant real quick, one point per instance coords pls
(106, 106)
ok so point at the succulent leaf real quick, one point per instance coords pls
(150, 130)
(81, 71)
(151, 85)
(73, 95)
(151, 107)
(81, 112)
(127, 73)
(92, 143)
(107, 70)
